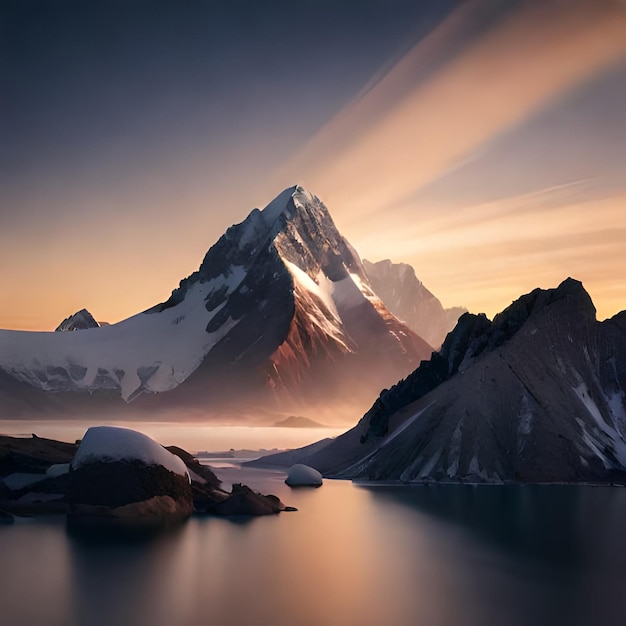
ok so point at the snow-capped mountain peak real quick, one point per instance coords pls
(280, 300)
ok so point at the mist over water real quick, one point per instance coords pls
(351, 556)
(188, 435)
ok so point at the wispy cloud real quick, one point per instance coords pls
(528, 57)
(486, 70)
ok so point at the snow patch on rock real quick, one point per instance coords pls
(113, 443)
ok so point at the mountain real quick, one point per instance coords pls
(81, 320)
(536, 395)
(298, 421)
(279, 313)
(409, 300)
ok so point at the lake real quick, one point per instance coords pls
(350, 556)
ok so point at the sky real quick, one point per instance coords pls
(481, 141)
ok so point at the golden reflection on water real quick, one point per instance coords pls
(351, 556)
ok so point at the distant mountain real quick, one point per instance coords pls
(81, 320)
(410, 301)
(537, 395)
(281, 313)
(297, 421)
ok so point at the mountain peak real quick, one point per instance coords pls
(409, 299)
(278, 206)
(80, 320)
(287, 202)
(511, 319)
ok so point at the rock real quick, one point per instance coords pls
(244, 501)
(32, 455)
(303, 476)
(121, 475)
(197, 471)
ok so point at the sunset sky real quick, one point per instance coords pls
(481, 141)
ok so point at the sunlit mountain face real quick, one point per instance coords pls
(482, 142)
(280, 316)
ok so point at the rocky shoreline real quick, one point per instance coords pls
(37, 478)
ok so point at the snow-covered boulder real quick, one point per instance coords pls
(303, 476)
(120, 474)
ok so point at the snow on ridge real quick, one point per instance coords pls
(322, 289)
(147, 352)
(346, 293)
(322, 293)
(617, 406)
(454, 453)
(114, 443)
(602, 429)
(277, 206)
(301, 198)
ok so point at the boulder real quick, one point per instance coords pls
(303, 476)
(122, 476)
(201, 474)
(244, 501)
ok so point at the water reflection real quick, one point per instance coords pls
(566, 525)
(128, 579)
(559, 550)
(349, 557)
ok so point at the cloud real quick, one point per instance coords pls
(487, 70)
(393, 140)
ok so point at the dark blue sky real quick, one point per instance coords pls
(102, 91)
(481, 141)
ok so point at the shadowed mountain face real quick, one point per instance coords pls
(537, 395)
(409, 300)
(280, 313)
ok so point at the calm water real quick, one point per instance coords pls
(351, 556)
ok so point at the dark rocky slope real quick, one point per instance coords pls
(537, 395)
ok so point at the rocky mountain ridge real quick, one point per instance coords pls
(410, 301)
(536, 395)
